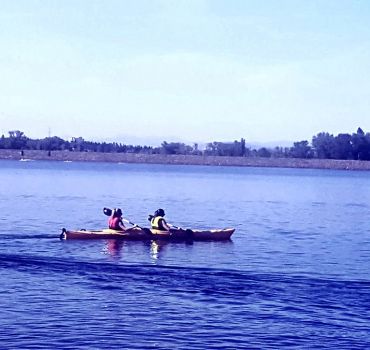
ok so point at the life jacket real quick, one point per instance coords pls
(157, 223)
(113, 223)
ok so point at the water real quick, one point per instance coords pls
(295, 275)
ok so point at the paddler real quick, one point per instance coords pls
(115, 220)
(158, 222)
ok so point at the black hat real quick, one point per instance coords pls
(159, 212)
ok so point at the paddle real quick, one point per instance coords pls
(108, 212)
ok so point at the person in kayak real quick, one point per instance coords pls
(115, 220)
(158, 222)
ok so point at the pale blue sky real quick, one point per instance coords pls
(191, 70)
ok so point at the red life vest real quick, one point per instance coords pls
(113, 223)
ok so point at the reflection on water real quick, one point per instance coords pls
(157, 248)
(154, 250)
(113, 247)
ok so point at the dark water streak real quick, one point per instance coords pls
(297, 307)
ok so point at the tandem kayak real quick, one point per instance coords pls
(141, 234)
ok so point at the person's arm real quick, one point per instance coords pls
(122, 225)
(165, 225)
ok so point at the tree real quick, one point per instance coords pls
(301, 149)
(280, 152)
(175, 148)
(361, 145)
(264, 152)
(343, 147)
(196, 150)
(323, 145)
(230, 149)
(243, 147)
(16, 134)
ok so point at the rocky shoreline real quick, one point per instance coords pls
(185, 159)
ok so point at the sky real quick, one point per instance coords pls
(145, 71)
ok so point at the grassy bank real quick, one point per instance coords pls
(186, 160)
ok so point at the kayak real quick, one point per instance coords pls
(141, 234)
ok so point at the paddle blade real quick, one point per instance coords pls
(107, 211)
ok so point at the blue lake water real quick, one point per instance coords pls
(295, 275)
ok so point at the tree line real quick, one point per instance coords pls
(323, 145)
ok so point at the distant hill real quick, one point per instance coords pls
(270, 144)
(157, 141)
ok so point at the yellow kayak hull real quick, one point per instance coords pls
(136, 233)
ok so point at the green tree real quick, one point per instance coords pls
(301, 149)
(361, 145)
(343, 147)
(263, 152)
(323, 145)
(175, 148)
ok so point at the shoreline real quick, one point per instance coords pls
(186, 160)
